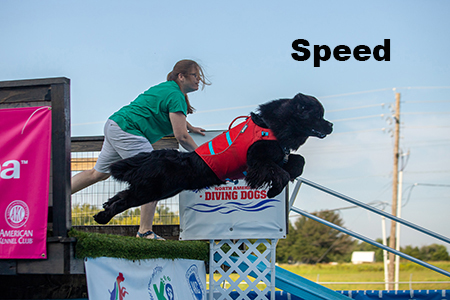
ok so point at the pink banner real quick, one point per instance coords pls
(25, 143)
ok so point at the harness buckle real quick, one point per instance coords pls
(244, 128)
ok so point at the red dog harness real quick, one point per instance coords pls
(226, 154)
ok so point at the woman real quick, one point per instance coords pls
(159, 111)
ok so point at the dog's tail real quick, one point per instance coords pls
(124, 170)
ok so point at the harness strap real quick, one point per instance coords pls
(231, 124)
(227, 135)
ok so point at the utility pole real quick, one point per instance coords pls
(399, 215)
(392, 239)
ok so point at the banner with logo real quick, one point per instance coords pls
(232, 211)
(24, 181)
(153, 279)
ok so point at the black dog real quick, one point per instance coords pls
(161, 174)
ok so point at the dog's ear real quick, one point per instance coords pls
(301, 106)
(307, 105)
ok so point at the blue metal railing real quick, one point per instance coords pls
(372, 209)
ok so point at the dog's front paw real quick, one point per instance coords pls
(273, 192)
(278, 184)
(294, 166)
(102, 217)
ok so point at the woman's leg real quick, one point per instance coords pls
(128, 145)
(146, 223)
(87, 178)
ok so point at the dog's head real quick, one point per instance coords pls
(308, 112)
(294, 120)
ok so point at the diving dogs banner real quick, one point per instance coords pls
(231, 211)
(154, 279)
(24, 181)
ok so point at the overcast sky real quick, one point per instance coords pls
(114, 50)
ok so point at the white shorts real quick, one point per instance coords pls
(118, 145)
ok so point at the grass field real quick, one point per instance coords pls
(328, 275)
(373, 273)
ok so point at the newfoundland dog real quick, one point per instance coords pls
(257, 149)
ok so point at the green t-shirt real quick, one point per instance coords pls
(148, 114)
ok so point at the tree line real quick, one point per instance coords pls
(311, 242)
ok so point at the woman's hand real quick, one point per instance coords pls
(194, 129)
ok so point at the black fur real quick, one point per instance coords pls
(161, 174)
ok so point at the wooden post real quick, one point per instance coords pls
(392, 238)
(62, 215)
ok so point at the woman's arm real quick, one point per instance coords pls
(198, 130)
(180, 130)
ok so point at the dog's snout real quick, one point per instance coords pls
(330, 127)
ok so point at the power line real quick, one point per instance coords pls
(356, 93)
(432, 184)
(423, 87)
(427, 113)
(425, 127)
(423, 184)
(358, 107)
(359, 118)
(386, 89)
(425, 172)
(355, 131)
(427, 102)
(226, 108)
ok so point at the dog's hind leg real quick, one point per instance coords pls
(113, 206)
(130, 198)
(120, 195)
(110, 211)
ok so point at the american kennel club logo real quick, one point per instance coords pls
(17, 214)
(194, 282)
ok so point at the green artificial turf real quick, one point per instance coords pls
(108, 245)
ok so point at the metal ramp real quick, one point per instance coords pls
(300, 181)
(296, 287)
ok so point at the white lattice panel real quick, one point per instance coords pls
(249, 262)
